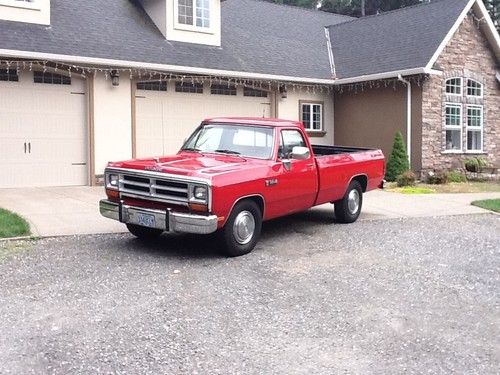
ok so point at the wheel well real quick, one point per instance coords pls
(259, 201)
(363, 181)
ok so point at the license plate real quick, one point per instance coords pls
(146, 220)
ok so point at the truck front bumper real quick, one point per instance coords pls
(168, 220)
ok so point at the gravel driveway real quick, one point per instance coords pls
(394, 296)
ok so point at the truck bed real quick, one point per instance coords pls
(321, 150)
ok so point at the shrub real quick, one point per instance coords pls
(407, 178)
(398, 160)
(437, 178)
(454, 176)
(475, 163)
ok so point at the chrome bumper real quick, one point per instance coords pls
(168, 221)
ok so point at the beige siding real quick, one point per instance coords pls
(371, 118)
(288, 108)
(112, 121)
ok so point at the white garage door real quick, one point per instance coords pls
(43, 133)
(166, 117)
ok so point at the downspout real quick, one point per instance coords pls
(408, 116)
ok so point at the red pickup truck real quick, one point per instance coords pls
(232, 174)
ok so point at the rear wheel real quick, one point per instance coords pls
(347, 209)
(144, 233)
(242, 229)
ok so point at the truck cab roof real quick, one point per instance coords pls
(256, 121)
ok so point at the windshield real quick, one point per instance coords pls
(249, 141)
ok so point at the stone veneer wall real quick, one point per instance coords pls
(467, 55)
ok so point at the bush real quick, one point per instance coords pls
(407, 178)
(398, 160)
(475, 163)
(454, 176)
(437, 178)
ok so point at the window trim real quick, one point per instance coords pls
(474, 128)
(187, 27)
(453, 127)
(461, 86)
(467, 89)
(321, 130)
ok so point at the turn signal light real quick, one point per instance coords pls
(198, 207)
(113, 194)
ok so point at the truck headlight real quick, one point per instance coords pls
(113, 180)
(200, 193)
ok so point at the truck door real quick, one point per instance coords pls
(297, 186)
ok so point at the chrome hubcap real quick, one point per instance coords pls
(353, 201)
(244, 227)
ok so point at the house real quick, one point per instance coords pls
(97, 81)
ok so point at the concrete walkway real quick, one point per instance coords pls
(74, 210)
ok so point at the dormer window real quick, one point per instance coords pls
(28, 11)
(194, 13)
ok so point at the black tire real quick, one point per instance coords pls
(241, 242)
(347, 209)
(144, 233)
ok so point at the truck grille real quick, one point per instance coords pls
(154, 188)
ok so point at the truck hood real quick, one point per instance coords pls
(192, 164)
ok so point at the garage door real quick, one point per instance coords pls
(166, 114)
(43, 135)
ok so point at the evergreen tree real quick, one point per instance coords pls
(493, 7)
(398, 160)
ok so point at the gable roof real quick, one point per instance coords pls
(257, 37)
(403, 39)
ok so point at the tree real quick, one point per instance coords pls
(398, 160)
(493, 7)
(355, 7)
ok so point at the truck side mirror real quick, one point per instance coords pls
(300, 153)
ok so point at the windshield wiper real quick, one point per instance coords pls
(229, 152)
(191, 149)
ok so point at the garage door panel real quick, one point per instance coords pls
(149, 128)
(52, 122)
(165, 119)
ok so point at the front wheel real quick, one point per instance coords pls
(144, 233)
(347, 209)
(242, 229)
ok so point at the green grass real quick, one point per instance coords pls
(12, 225)
(414, 190)
(489, 204)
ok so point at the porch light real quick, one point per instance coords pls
(283, 92)
(115, 78)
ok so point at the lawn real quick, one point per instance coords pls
(452, 187)
(12, 225)
(489, 204)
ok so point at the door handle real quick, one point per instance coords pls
(29, 147)
(24, 147)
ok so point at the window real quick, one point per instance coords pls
(194, 12)
(474, 128)
(223, 89)
(51, 78)
(454, 86)
(248, 91)
(9, 75)
(195, 88)
(288, 140)
(312, 116)
(453, 126)
(247, 141)
(474, 88)
(152, 86)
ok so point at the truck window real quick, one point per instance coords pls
(288, 140)
(250, 141)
